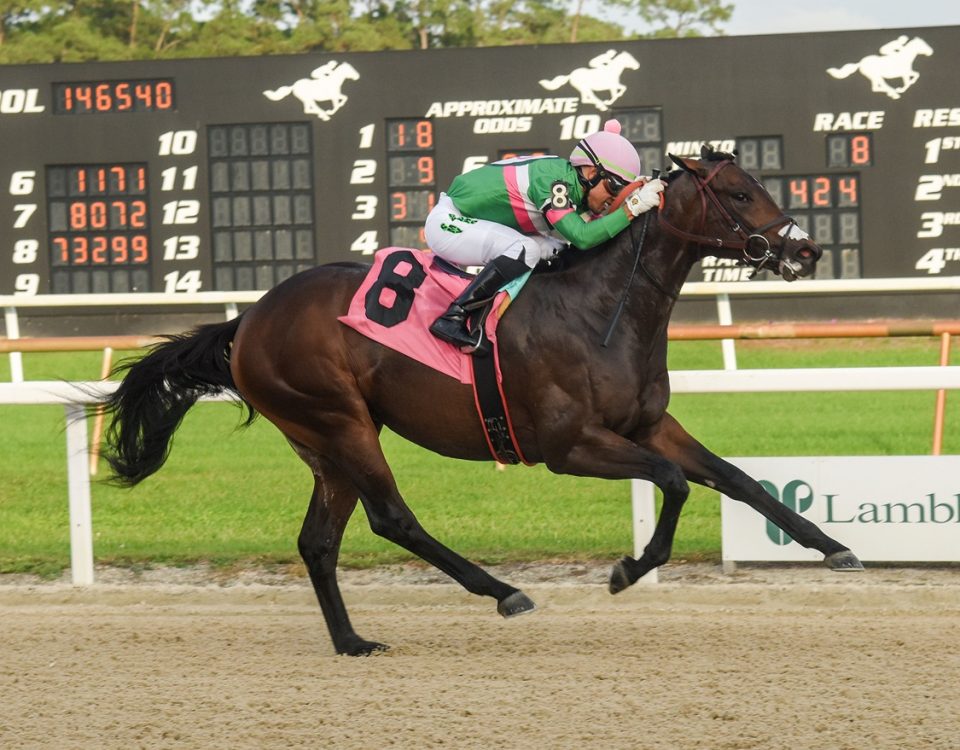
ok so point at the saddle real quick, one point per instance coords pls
(402, 294)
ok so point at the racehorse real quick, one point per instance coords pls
(603, 74)
(895, 62)
(324, 86)
(578, 406)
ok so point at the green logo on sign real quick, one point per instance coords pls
(797, 495)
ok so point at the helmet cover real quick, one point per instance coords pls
(610, 152)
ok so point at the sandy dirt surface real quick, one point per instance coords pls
(766, 658)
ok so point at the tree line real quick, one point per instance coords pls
(35, 31)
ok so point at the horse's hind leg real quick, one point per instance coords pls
(357, 454)
(334, 498)
(390, 518)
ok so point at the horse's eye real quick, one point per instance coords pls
(742, 197)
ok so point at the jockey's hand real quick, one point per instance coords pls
(643, 199)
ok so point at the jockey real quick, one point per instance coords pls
(509, 215)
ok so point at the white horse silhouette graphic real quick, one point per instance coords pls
(323, 85)
(601, 74)
(895, 62)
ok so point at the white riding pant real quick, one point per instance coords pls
(475, 242)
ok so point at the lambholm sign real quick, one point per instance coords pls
(885, 508)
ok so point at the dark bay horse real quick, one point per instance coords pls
(578, 406)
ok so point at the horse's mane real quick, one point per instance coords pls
(671, 175)
(709, 154)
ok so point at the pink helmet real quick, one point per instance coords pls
(610, 152)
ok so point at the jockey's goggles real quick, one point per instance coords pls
(613, 184)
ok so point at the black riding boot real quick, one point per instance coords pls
(452, 325)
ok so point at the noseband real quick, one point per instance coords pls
(755, 247)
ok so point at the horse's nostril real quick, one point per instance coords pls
(805, 253)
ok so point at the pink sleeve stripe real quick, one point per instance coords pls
(555, 214)
(516, 200)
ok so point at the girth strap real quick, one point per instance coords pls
(492, 408)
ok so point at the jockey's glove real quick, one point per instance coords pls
(644, 198)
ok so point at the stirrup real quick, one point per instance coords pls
(453, 332)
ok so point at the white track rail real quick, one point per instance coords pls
(720, 290)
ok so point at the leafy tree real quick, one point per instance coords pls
(62, 38)
(231, 33)
(14, 14)
(681, 18)
(167, 24)
(77, 30)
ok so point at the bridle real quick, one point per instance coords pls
(755, 247)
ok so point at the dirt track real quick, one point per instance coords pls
(768, 658)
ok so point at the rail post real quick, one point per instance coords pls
(78, 486)
(644, 521)
(940, 409)
(725, 318)
(98, 416)
(12, 323)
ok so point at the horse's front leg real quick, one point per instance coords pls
(589, 97)
(703, 467)
(607, 455)
(335, 104)
(908, 81)
(880, 86)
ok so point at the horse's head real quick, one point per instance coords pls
(919, 46)
(626, 61)
(730, 214)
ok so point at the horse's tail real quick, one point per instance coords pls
(278, 94)
(847, 70)
(554, 83)
(156, 393)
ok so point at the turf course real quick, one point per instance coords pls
(236, 497)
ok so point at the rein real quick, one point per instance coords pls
(637, 263)
(637, 250)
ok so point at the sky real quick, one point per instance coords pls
(778, 17)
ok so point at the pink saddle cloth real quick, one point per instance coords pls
(404, 292)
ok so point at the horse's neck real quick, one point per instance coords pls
(596, 280)
(654, 280)
(664, 265)
(666, 259)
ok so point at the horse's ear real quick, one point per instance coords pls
(687, 165)
(706, 152)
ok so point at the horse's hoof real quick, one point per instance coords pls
(517, 603)
(844, 561)
(361, 647)
(620, 576)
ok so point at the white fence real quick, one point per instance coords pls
(721, 291)
(13, 303)
(73, 395)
